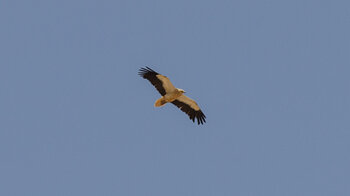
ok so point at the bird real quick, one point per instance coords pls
(173, 95)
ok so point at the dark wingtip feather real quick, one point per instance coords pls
(200, 117)
(143, 72)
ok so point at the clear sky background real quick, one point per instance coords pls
(272, 77)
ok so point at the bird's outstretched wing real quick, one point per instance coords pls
(190, 107)
(162, 83)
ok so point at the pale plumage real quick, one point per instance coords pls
(173, 95)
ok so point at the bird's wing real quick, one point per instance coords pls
(162, 83)
(190, 107)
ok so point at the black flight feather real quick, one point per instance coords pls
(192, 113)
(151, 76)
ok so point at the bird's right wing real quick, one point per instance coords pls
(162, 83)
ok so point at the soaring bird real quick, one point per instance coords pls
(173, 95)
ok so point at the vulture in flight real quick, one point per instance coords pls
(173, 95)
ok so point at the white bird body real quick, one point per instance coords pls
(169, 97)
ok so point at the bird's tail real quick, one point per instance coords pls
(160, 102)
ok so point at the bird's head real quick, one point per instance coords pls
(181, 90)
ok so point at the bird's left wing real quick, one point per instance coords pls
(190, 107)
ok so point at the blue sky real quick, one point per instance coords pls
(271, 76)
